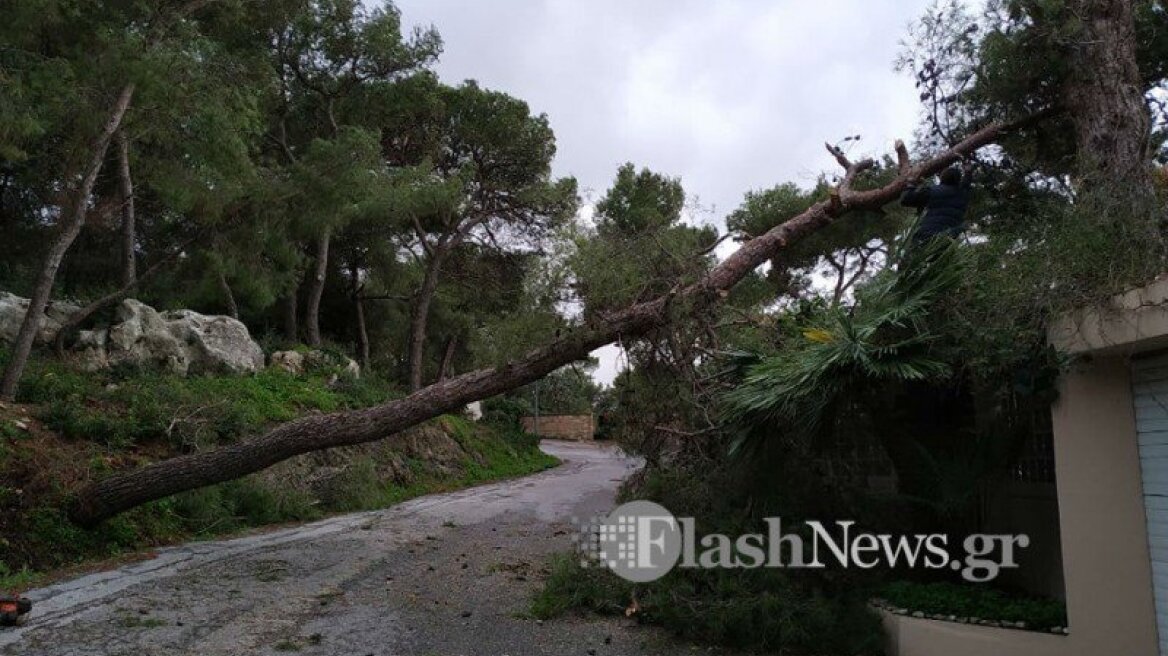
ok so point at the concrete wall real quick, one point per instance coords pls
(564, 427)
(1136, 320)
(910, 636)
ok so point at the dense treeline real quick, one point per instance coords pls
(294, 164)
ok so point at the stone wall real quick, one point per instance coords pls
(565, 427)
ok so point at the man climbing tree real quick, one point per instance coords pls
(942, 206)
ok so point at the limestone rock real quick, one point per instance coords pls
(215, 344)
(12, 311)
(141, 337)
(89, 352)
(290, 361)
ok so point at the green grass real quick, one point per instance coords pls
(20, 579)
(495, 453)
(977, 601)
(126, 407)
(505, 452)
(570, 587)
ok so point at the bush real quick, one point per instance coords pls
(505, 411)
(787, 610)
(753, 609)
(977, 601)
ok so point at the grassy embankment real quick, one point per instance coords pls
(70, 427)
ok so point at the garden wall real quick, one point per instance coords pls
(581, 428)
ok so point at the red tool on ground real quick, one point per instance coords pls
(12, 607)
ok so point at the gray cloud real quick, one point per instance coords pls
(730, 96)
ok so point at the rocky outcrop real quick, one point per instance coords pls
(215, 343)
(180, 341)
(12, 311)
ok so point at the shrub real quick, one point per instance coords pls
(505, 411)
(753, 609)
(976, 601)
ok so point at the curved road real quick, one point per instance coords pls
(446, 574)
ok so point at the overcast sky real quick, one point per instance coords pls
(730, 96)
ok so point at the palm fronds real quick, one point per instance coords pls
(883, 338)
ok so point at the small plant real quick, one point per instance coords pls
(976, 601)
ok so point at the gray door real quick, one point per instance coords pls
(1150, 395)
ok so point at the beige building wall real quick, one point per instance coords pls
(565, 427)
(1107, 570)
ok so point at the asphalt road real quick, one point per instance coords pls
(447, 574)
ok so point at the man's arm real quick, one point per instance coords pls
(915, 196)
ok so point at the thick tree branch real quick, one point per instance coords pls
(421, 233)
(126, 490)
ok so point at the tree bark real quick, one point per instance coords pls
(291, 330)
(72, 219)
(447, 358)
(316, 290)
(126, 186)
(420, 318)
(362, 333)
(228, 297)
(1105, 102)
(126, 490)
(359, 312)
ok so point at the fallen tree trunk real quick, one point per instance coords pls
(126, 490)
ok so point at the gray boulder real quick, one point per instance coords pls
(290, 361)
(141, 337)
(215, 344)
(89, 352)
(180, 342)
(317, 359)
(12, 311)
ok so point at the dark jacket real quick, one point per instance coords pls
(944, 207)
